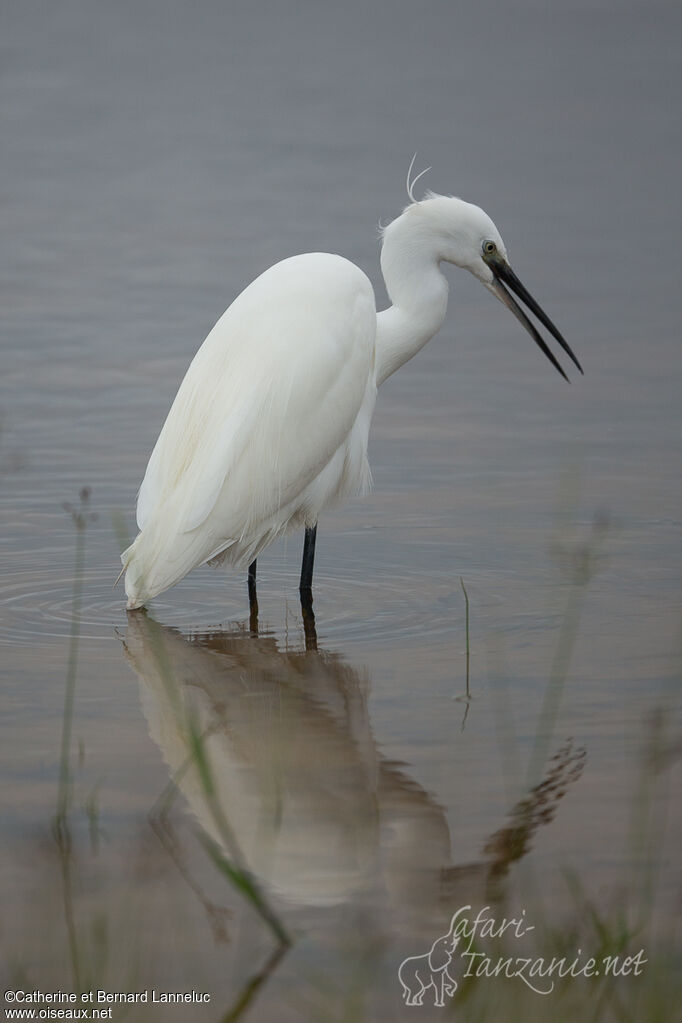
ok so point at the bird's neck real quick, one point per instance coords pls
(419, 293)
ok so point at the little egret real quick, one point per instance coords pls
(270, 424)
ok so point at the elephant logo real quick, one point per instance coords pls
(418, 973)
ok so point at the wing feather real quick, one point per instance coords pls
(266, 402)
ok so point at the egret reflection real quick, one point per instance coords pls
(314, 810)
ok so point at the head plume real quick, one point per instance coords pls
(410, 184)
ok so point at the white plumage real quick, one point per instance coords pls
(270, 424)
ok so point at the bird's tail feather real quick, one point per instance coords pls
(153, 564)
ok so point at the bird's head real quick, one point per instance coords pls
(463, 234)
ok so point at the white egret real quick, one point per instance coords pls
(270, 424)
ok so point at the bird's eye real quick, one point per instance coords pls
(489, 248)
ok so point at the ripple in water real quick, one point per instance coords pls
(363, 596)
(37, 604)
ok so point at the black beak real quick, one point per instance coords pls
(503, 274)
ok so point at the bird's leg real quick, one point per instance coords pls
(309, 630)
(306, 583)
(306, 589)
(253, 598)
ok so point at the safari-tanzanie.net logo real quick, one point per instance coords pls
(433, 974)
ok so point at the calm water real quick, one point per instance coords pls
(156, 157)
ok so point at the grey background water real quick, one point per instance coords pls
(155, 158)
